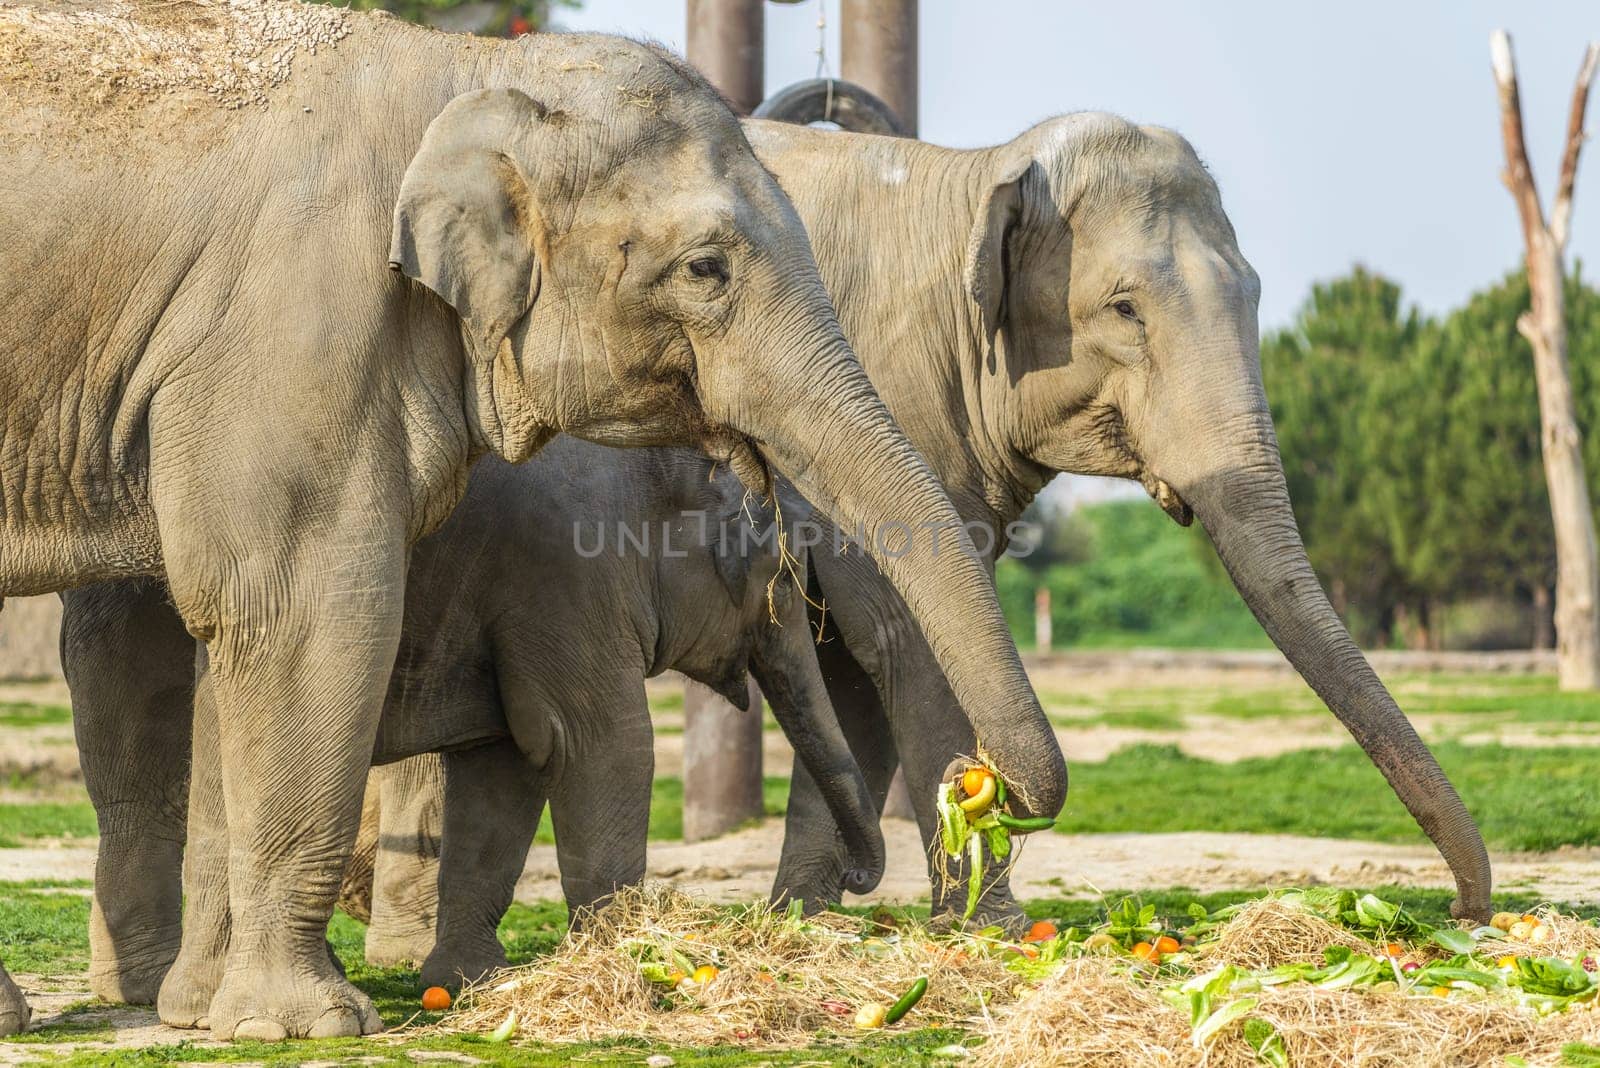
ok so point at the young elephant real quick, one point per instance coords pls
(533, 617)
(255, 349)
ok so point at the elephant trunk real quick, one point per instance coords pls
(1244, 506)
(837, 443)
(793, 684)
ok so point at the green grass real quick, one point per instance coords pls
(43, 931)
(24, 714)
(1524, 799)
(20, 822)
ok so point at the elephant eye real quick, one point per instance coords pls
(1126, 309)
(709, 267)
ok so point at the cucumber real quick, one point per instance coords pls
(1032, 823)
(999, 790)
(907, 1001)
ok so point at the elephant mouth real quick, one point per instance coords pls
(1167, 497)
(743, 458)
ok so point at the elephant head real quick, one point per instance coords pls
(1118, 323)
(624, 270)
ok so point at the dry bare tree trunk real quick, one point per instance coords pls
(1544, 325)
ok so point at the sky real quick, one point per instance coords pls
(1344, 132)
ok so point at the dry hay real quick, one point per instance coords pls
(777, 978)
(93, 55)
(1094, 1012)
(1571, 938)
(1270, 932)
(1090, 1012)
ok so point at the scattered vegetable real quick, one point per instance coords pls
(705, 973)
(907, 1002)
(506, 1029)
(435, 999)
(871, 1016)
(1042, 931)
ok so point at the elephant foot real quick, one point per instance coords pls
(993, 910)
(452, 966)
(184, 1000)
(390, 947)
(133, 979)
(269, 1001)
(14, 1011)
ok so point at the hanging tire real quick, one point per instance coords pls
(831, 100)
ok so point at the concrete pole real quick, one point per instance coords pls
(721, 763)
(878, 46)
(726, 42)
(722, 745)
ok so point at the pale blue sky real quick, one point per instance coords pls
(1343, 131)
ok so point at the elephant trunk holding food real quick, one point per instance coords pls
(255, 350)
(1073, 300)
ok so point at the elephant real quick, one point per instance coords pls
(533, 617)
(280, 273)
(14, 1011)
(1073, 300)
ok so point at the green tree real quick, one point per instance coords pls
(1327, 379)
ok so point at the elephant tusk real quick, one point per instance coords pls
(1168, 498)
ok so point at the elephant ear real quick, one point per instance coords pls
(998, 213)
(466, 224)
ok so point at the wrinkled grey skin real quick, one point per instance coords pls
(1073, 300)
(529, 630)
(211, 373)
(14, 1011)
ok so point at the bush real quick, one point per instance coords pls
(1136, 578)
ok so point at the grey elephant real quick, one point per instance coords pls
(533, 617)
(1073, 300)
(277, 274)
(14, 1011)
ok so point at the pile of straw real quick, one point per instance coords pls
(788, 983)
(1270, 932)
(783, 982)
(1087, 1014)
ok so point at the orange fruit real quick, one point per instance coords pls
(1394, 949)
(435, 999)
(1042, 931)
(1167, 944)
(972, 780)
(705, 973)
(1145, 951)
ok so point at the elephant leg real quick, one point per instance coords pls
(14, 1011)
(130, 665)
(815, 859)
(185, 996)
(405, 882)
(600, 798)
(493, 799)
(302, 633)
